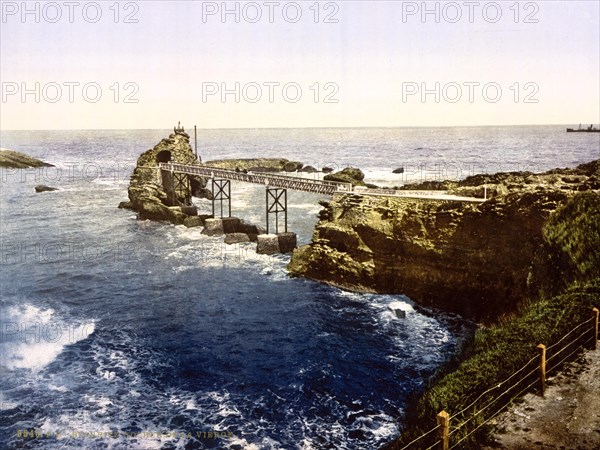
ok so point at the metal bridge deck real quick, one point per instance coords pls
(266, 179)
(307, 185)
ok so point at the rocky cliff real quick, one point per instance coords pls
(478, 259)
(147, 195)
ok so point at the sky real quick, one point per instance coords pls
(150, 64)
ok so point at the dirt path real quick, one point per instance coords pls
(568, 417)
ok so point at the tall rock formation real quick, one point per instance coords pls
(147, 194)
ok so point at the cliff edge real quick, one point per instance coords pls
(480, 260)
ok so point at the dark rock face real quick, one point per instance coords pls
(192, 222)
(267, 244)
(292, 166)
(236, 238)
(475, 259)
(348, 175)
(16, 160)
(146, 193)
(232, 227)
(287, 242)
(270, 244)
(44, 188)
(398, 170)
(125, 205)
(309, 169)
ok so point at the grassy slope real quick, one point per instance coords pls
(567, 275)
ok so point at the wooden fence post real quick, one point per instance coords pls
(542, 349)
(443, 420)
(595, 322)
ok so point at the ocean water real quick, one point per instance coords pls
(118, 333)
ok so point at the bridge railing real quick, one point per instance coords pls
(273, 180)
(306, 184)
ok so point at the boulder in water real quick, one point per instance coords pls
(44, 188)
(348, 175)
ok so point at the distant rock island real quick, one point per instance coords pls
(43, 188)
(257, 164)
(16, 160)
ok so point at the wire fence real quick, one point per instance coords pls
(454, 431)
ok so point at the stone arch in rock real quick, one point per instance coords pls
(163, 156)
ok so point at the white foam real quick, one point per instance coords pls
(402, 305)
(34, 337)
(191, 405)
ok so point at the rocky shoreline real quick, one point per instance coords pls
(479, 260)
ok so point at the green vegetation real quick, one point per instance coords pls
(565, 287)
(571, 248)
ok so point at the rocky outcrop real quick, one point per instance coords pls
(147, 195)
(256, 164)
(347, 175)
(16, 160)
(477, 259)
(582, 178)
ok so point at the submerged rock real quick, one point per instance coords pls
(399, 313)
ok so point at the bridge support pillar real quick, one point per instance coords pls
(221, 192)
(270, 244)
(182, 188)
(177, 187)
(276, 202)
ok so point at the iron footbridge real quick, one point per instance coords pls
(266, 179)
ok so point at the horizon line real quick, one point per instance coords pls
(292, 128)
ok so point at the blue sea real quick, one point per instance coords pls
(126, 334)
